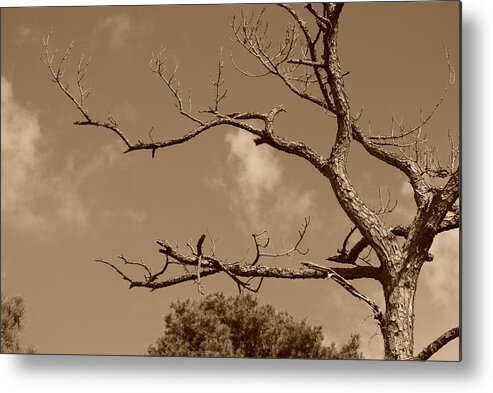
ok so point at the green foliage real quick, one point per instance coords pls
(237, 326)
(12, 323)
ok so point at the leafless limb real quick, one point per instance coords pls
(351, 256)
(439, 343)
(332, 274)
(123, 275)
(311, 55)
(199, 245)
(199, 283)
(57, 73)
(158, 66)
(217, 84)
(306, 62)
(411, 143)
(295, 248)
(207, 265)
(386, 207)
(321, 19)
(148, 278)
(251, 33)
(346, 240)
(141, 264)
(154, 277)
(239, 120)
(81, 83)
(454, 153)
(241, 285)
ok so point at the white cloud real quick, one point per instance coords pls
(259, 169)
(118, 27)
(32, 199)
(21, 135)
(260, 194)
(257, 172)
(441, 276)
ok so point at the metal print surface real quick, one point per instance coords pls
(277, 181)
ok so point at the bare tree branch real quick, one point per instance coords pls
(217, 84)
(408, 166)
(57, 72)
(206, 265)
(333, 275)
(251, 34)
(368, 223)
(351, 256)
(238, 120)
(412, 157)
(314, 57)
(438, 344)
(294, 248)
(158, 66)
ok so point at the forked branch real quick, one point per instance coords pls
(204, 265)
(57, 73)
(251, 33)
(407, 149)
(240, 120)
(350, 256)
(262, 243)
(158, 64)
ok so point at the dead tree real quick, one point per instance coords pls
(306, 61)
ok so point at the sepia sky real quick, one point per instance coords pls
(70, 196)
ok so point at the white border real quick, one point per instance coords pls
(84, 374)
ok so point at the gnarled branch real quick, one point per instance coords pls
(207, 265)
(238, 119)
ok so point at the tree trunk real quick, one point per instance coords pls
(398, 325)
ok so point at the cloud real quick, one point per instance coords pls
(258, 169)
(25, 35)
(21, 136)
(441, 276)
(118, 27)
(31, 198)
(111, 215)
(259, 192)
(406, 207)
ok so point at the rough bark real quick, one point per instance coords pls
(398, 326)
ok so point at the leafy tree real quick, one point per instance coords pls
(307, 62)
(237, 326)
(12, 321)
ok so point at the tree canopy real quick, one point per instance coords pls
(12, 321)
(238, 326)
